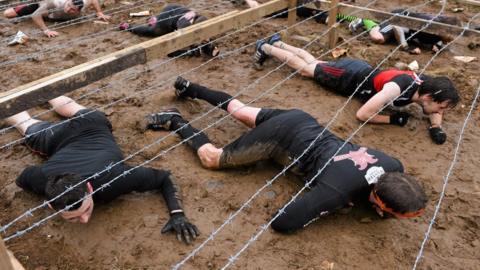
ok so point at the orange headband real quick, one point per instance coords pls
(384, 208)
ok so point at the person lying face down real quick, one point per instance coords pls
(83, 148)
(170, 19)
(55, 10)
(355, 174)
(376, 88)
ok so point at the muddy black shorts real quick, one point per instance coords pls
(45, 138)
(26, 9)
(387, 32)
(343, 76)
(272, 138)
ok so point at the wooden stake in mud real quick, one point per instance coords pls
(332, 20)
(292, 12)
(5, 263)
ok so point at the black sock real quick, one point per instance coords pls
(211, 96)
(187, 131)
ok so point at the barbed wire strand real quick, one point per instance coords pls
(449, 172)
(75, 19)
(230, 218)
(97, 90)
(14, 142)
(29, 212)
(68, 44)
(126, 172)
(264, 227)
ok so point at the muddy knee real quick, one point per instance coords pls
(10, 13)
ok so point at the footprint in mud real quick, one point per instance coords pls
(112, 41)
(75, 57)
(135, 101)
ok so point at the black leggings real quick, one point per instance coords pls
(260, 143)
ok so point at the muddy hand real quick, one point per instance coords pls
(50, 33)
(102, 16)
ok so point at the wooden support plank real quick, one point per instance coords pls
(470, 2)
(5, 263)
(42, 90)
(436, 28)
(292, 13)
(332, 23)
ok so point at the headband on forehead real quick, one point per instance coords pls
(389, 210)
(78, 3)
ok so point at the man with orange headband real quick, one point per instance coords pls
(355, 173)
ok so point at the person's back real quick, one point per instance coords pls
(167, 19)
(85, 148)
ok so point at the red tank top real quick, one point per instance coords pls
(387, 75)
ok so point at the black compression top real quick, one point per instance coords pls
(349, 176)
(167, 20)
(86, 146)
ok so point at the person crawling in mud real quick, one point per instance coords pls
(55, 10)
(356, 173)
(172, 18)
(382, 87)
(81, 148)
(385, 32)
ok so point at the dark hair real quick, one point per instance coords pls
(182, 22)
(78, 4)
(440, 88)
(199, 19)
(58, 184)
(401, 192)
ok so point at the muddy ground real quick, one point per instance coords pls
(125, 234)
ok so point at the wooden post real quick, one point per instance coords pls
(5, 263)
(332, 23)
(292, 13)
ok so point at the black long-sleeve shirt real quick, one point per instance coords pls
(86, 146)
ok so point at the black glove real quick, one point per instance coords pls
(399, 118)
(437, 134)
(184, 229)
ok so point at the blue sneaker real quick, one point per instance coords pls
(276, 37)
(260, 56)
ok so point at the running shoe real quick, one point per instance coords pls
(181, 85)
(162, 120)
(276, 37)
(260, 56)
(355, 24)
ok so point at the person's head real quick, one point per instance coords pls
(399, 195)
(78, 212)
(73, 6)
(437, 94)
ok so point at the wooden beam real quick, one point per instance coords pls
(42, 90)
(436, 28)
(5, 263)
(332, 23)
(292, 13)
(470, 2)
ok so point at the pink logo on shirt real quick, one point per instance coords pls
(360, 158)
